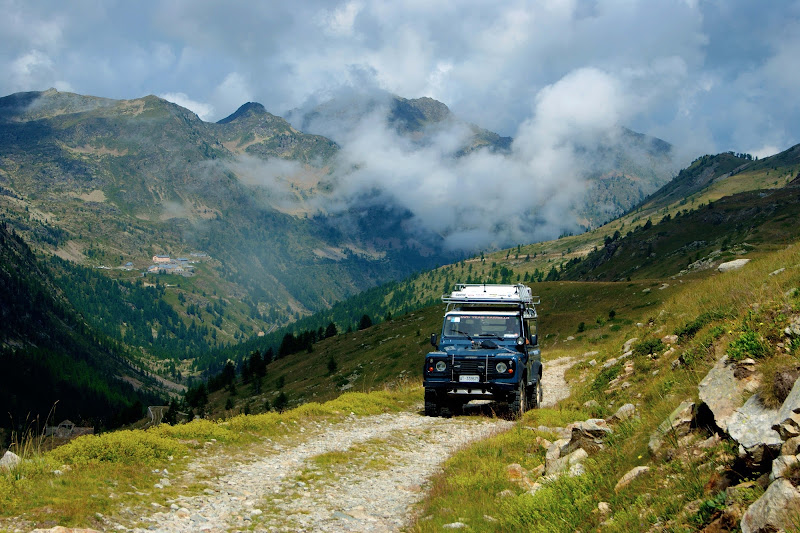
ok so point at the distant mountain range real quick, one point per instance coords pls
(104, 182)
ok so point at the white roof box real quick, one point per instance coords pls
(486, 293)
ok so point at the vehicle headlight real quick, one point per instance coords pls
(501, 367)
(441, 366)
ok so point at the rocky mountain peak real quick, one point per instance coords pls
(247, 110)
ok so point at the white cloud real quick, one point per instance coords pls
(202, 110)
(765, 151)
(232, 93)
(33, 69)
(340, 22)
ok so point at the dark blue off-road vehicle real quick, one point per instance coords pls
(488, 350)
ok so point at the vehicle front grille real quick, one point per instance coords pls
(470, 366)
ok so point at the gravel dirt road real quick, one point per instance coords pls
(363, 474)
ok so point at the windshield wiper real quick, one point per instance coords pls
(462, 333)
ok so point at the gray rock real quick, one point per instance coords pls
(676, 425)
(751, 426)
(722, 392)
(789, 427)
(625, 412)
(563, 463)
(632, 474)
(775, 510)
(10, 461)
(455, 525)
(791, 446)
(780, 465)
(554, 451)
(793, 329)
(669, 339)
(588, 436)
(629, 344)
(736, 264)
(787, 420)
(611, 362)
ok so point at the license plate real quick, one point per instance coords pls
(469, 379)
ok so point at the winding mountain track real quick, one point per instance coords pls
(363, 474)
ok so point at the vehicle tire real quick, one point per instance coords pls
(519, 403)
(535, 395)
(432, 406)
(539, 394)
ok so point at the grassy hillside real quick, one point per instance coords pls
(710, 312)
(682, 491)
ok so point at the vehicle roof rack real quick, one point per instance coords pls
(493, 294)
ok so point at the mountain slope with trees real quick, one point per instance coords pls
(52, 361)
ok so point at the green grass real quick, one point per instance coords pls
(709, 315)
(101, 473)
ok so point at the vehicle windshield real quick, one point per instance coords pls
(472, 325)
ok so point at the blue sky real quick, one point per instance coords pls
(707, 76)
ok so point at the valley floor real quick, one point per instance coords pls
(363, 474)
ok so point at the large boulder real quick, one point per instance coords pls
(736, 264)
(676, 425)
(778, 509)
(751, 426)
(722, 392)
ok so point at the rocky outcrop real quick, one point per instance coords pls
(585, 438)
(722, 392)
(751, 427)
(778, 509)
(787, 421)
(676, 425)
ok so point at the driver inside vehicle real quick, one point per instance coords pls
(512, 328)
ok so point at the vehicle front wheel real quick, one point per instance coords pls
(432, 404)
(519, 403)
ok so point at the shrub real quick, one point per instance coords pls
(198, 429)
(605, 376)
(123, 447)
(648, 346)
(747, 344)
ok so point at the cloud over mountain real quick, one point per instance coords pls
(707, 76)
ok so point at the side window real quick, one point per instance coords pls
(530, 329)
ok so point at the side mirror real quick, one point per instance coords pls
(534, 339)
(434, 342)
